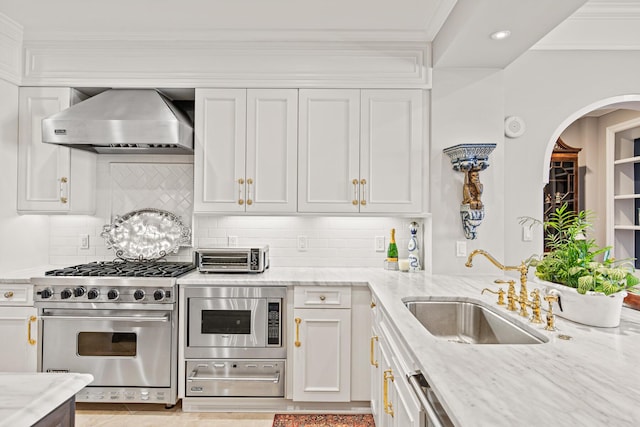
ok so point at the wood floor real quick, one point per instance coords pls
(143, 415)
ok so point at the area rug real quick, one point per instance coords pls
(323, 420)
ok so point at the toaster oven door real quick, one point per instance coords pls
(227, 322)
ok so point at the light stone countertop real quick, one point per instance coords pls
(25, 398)
(589, 380)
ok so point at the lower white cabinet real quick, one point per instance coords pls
(18, 329)
(329, 342)
(393, 402)
(321, 344)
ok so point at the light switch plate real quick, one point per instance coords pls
(302, 243)
(461, 248)
(527, 233)
(379, 243)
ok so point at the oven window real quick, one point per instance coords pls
(226, 322)
(107, 344)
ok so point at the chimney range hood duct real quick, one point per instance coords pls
(122, 121)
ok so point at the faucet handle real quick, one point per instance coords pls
(550, 317)
(511, 293)
(499, 292)
(535, 306)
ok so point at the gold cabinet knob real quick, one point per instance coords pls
(322, 298)
(8, 294)
(240, 181)
(240, 202)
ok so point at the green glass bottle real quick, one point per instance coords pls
(392, 251)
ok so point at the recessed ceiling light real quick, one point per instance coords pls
(500, 35)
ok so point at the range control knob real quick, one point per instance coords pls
(158, 295)
(113, 294)
(78, 292)
(93, 293)
(138, 294)
(46, 293)
(66, 293)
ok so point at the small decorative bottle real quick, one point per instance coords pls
(414, 250)
(392, 252)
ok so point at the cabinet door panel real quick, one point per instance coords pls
(271, 162)
(328, 150)
(18, 354)
(322, 361)
(391, 150)
(44, 169)
(219, 150)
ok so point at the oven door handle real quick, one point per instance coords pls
(164, 318)
(275, 379)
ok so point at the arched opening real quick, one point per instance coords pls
(606, 131)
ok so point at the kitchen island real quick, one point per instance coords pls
(586, 380)
(27, 399)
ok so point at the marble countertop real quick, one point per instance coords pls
(25, 398)
(591, 379)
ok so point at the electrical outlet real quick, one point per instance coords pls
(527, 234)
(233, 241)
(379, 243)
(84, 241)
(461, 248)
(302, 243)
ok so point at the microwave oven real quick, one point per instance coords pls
(232, 260)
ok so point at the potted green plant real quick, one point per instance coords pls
(590, 284)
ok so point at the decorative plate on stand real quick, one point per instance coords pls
(146, 234)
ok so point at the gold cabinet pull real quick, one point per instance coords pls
(373, 304)
(240, 188)
(31, 320)
(298, 343)
(64, 196)
(363, 187)
(249, 200)
(388, 406)
(8, 294)
(355, 192)
(373, 362)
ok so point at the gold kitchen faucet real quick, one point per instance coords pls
(522, 268)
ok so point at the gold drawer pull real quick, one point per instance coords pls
(31, 340)
(373, 362)
(388, 406)
(298, 343)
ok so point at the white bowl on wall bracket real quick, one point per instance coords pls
(470, 159)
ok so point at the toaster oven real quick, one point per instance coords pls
(232, 260)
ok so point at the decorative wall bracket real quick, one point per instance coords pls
(470, 159)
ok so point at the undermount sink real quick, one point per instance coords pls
(469, 323)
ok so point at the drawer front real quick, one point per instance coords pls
(16, 294)
(322, 296)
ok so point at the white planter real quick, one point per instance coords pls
(592, 308)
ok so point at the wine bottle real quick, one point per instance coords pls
(392, 251)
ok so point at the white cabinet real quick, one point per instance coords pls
(321, 344)
(18, 328)
(51, 178)
(245, 150)
(360, 150)
(393, 402)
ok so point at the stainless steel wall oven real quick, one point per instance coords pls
(234, 341)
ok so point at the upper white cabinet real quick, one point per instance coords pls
(360, 150)
(245, 150)
(51, 178)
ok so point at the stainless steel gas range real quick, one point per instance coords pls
(114, 320)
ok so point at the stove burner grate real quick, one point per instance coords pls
(125, 269)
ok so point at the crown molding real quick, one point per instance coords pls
(180, 63)
(10, 49)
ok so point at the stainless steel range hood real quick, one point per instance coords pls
(122, 121)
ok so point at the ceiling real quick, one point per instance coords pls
(458, 30)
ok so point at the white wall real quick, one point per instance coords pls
(467, 107)
(24, 240)
(550, 90)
